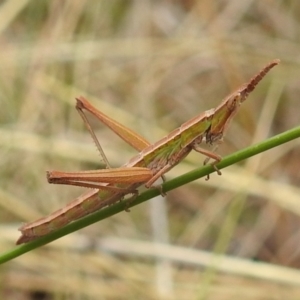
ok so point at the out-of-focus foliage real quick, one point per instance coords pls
(151, 65)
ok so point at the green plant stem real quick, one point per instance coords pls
(170, 185)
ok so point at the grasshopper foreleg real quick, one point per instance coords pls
(209, 155)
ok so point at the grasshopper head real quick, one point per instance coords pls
(223, 115)
(229, 106)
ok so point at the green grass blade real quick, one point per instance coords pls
(170, 185)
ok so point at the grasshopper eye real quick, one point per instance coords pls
(234, 101)
(238, 96)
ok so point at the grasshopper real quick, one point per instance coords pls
(152, 162)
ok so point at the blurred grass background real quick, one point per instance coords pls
(151, 65)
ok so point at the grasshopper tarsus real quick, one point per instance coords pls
(207, 177)
(130, 200)
(160, 189)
